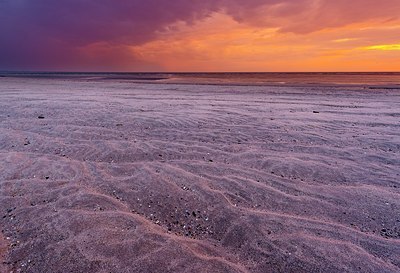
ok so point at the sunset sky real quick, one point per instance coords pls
(200, 35)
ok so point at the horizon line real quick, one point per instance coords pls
(192, 72)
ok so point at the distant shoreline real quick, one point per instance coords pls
(370, 80)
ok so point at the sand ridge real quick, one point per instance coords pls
(121, 177)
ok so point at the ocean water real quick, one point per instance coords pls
(390, 79)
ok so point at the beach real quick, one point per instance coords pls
(115, 176)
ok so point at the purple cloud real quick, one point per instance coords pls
(44, 33)
(48, 34)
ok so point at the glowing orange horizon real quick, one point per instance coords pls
(221, 44)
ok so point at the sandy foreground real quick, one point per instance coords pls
(120, 177)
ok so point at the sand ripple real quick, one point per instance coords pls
(147, 178)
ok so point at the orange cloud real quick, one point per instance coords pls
(384, 47)
(200, 35)
(220, 43)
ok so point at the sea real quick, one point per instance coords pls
(387, 79)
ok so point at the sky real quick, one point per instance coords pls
(200, 35)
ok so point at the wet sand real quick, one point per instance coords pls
(113, 176)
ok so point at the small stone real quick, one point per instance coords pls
(315, 112)
(40, 117)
